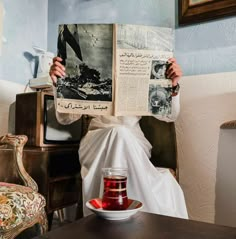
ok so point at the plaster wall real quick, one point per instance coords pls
(206, 53)
(207, 101)
(7, 99)
(24, 26)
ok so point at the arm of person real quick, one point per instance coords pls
(174, 73)
(58, 70)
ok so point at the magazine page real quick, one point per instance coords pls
(141, 61)
(87, 53)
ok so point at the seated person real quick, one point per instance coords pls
(119, 142)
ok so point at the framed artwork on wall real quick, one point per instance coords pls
(196, 11)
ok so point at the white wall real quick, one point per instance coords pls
(7, 98)
(207, 101)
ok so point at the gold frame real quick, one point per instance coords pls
(205, 11)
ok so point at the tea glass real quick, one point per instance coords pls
(114, 192)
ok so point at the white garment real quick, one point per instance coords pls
(120, 142)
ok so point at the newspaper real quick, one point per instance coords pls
(115, 69)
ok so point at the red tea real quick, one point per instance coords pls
(115, 194)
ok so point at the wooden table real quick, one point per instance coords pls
(142, 225)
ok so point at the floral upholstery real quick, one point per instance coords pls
(17, 205)
(21, 207)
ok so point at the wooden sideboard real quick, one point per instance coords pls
(56, 171)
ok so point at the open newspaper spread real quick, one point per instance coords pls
(115, 69)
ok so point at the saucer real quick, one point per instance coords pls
(95, 205)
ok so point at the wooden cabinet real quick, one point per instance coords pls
(56, 171)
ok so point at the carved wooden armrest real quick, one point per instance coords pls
(14, 140)
(18, 142)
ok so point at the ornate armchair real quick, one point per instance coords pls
(21, 206)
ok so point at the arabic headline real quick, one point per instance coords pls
(86, 107)
(138, 62)
(144, 54)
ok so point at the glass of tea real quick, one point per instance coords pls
(114, 192)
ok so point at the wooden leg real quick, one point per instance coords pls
(79, 209)
(60, 214)
(50, 218)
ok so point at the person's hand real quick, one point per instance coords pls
(56, 69)
(174, 71)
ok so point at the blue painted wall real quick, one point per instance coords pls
(24, 25)
(149, 12)
(207, 47)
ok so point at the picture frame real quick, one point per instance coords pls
(197, 11)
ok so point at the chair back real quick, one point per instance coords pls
(162, 137)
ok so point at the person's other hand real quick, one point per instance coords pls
(56, 69)
(174, 71)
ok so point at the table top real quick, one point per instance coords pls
(142, 225)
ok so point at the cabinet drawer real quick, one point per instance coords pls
(63, 192)
(64, 163)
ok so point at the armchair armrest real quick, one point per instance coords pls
(18, 142)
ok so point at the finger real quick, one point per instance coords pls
(56, 72)
(173, 68)
(57, 58)
(58, 65)
(175, 81)
(54, 80)
(172, 71)
(174, 74)
(172, 60)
